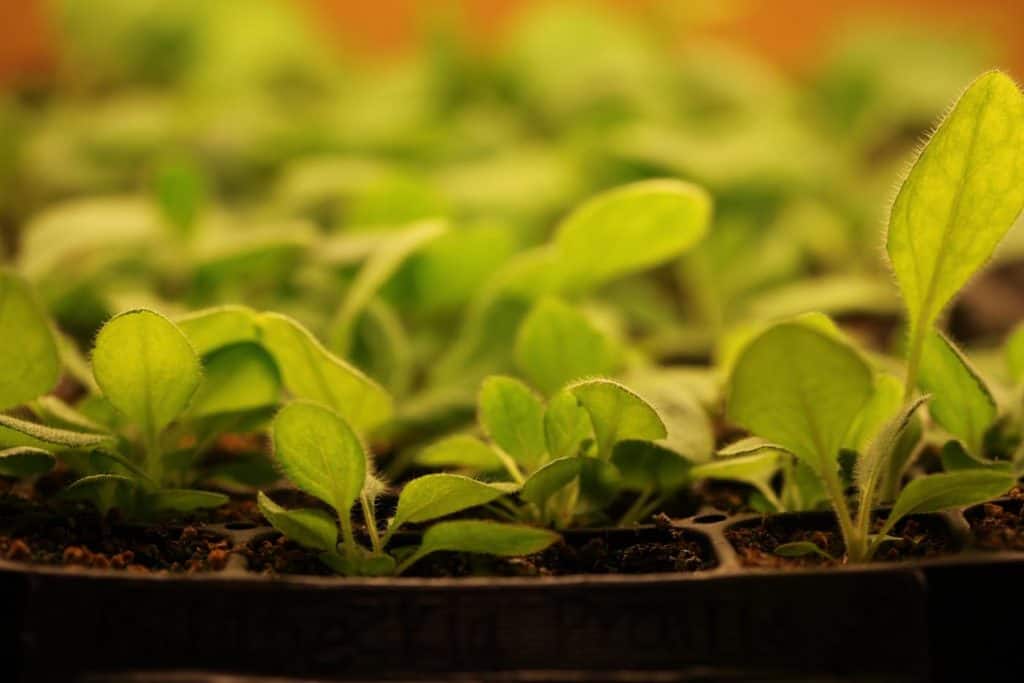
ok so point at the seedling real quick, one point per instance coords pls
(570, 458)
(319, 453)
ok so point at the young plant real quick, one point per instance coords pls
(320, 453)
(571, 458)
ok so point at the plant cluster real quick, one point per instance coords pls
(419, 291)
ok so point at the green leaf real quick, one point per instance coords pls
(438, 495)
(962, 195)
(1015, 354)
(886, 399)
(488, 538)
(184, 500)
(377, 270)
(955, 458)
(646, 466)
(56, 412)
(513, 418)
(617, 414)
(566, 425)
(180, 190)
(960, 402)
(235, 379)
(105, 491)
(750, 461)
(557, 344)
(24, 461)
(308, 527)
(549, 479)
(937, 492)
(460, 451)
(213, 328)
(16, 432)
(309, 371)
(146, 368)
(630, 228)
(29, 359)
(871, 466)
(800, 388)
(320, 454)
(676, 401)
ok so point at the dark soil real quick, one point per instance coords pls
(84, 541)
(999, 525)
(756, 543)
(617, 551)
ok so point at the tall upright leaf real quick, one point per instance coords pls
(962, 195)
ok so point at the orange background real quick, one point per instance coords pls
(788, 31)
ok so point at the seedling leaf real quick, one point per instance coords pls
(24, 461)
(320, 454)
(566, 425)
(617, 414)
(16, 432)
(473, 536)
(513, 418)
(237, 378)
(460, 451)
(937, 492)
(308, 527)
(549, 479)
(29, 359)
(438, 495)
(146, 368)
(184, 500)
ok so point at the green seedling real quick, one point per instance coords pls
(319, 453)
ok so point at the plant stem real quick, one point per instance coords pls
(371, 525)
(347, 536)
(913, 365)
(854, 544)
(636, 509)
(154, 458)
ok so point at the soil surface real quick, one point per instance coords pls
(756, 543)
(1000, 525)
(625, 551)
(85, 541)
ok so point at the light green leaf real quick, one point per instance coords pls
(437, 495)
(489, 538)
(873, 463)
(308, 527)
(962, 195)
(557, 344)
(460, 451)
(617, 414)
(184, 500)
(549, 479)
(381, 265)
(29, 359)
(236, 378)
(25, 461)
(886, 399)
(676, 401)
(513, 418)
(16, 432)
(105, 491)
(146, 368)
(646, 466)
(751, 461)
(55, 412)
(213, 328)
(630, 228)
(320, 454)
(800, 388)
(566, 425)
(1015, 354)
(309, 371)
(960, 402)
(801, 549)
(955, 458)
(937, 492)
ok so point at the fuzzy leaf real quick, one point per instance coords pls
(29, 358)
(438, 495)
(310, 371)
(937, 492)
(557, 344)
(960, 402)
(646, 466)
(213, 328)
(513, 418)
(549, 479)
(800, 388)
(320, 454)
(566, 425)
(24, 461)
(16, 432)
(146, 368)
(489, 538)
(962, 195)
(617, 414)
(872, 465)
(630, 228)
(184, 500)
(754, 463)
(308, 527)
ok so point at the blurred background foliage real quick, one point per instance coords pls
(373, 168)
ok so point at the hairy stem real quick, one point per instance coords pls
(371, 524)
(855, 545)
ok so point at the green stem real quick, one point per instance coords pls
(635, 510)
(154, 457)
(913, 365)
(371, 525)
(348, 538)
(409, 561)
(855, 550)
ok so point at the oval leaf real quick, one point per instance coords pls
(308, 527)
(17, 432)
(320, 454)
(236, 378)
(549, 480)
(937, 492)
(460, 451)
(24, 461)
(146, 368)
(566, 425)
(439, 495)
(960, 401)
(488, 538)
(184, 500)
(617, 414)
(513, 418)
